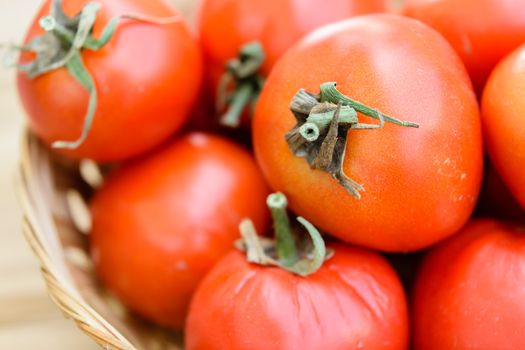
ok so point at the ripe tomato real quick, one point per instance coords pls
(470, 290)
(354, 301)
(503, 107)
(481, 31)
(226, 25)
(161, 223)
(147, 78)
(421, 185)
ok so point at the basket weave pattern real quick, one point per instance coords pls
(43, 183)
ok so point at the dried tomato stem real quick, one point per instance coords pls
(62, 45)
(320, 118)
(320, 135)
(285, 243)
(254, 248)
(310, 131)
(262, 251)
(241, 84)
(304, 267)
(241, 97)
(329, 93)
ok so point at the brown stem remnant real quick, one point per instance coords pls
(323, 122)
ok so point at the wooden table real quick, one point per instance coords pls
(28, 318)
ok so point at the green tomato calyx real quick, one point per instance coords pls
(61, 46)
(300, 258)
(323, 122)
(240, 84)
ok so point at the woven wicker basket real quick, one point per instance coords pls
(54, 224)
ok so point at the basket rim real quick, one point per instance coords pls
(42, 236)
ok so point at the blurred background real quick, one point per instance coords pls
(28, 318)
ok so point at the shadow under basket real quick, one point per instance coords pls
(52, 193)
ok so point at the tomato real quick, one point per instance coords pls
(470, 290)
(481, 31)
(354, 301)
(161, 223)
(226, 25)
(147, 79)
(503, 106)
(421, 185)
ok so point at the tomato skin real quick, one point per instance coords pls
(147, 77)
(421, 185)
(481, 31)
(226, 25)
(354, 301)
(503, 106)
(470, 290)
(161, 223)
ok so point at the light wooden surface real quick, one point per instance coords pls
(28, 319)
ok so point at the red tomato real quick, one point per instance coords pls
(226, 25)
(470, 290)
(421, 185)
(481, 31)
(354, 301)
(162, 222)
(503, 107)
(147, 78)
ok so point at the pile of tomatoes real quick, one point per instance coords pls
(425, 234)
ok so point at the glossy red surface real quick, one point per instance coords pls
(481, 31)
(147, 78)
(421, 185)
(161, 223)
(226, 25)
(470, 290)
(355, 301)
(503, 108)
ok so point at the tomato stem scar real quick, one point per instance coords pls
(320, 134)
